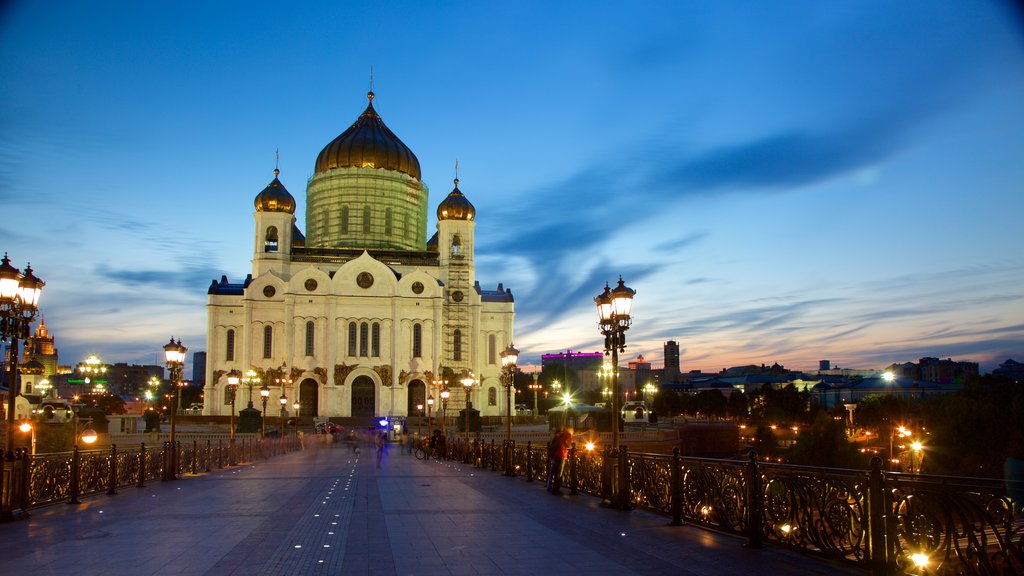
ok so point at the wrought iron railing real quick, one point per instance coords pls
(32, 481)
(886, 523)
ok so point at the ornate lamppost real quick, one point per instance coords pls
(174, 354)
(445, 394)
(19, 303)
(430, 413)
(264, 396)
(509, 357)
(613, 308)
(467, 380)
(234, 377)
(535, 386)
(284, 407)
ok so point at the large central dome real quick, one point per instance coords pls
(368, 143)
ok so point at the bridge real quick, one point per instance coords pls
(326, 510)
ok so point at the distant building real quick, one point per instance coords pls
(130, 380)
(1011, 369)
(670, 373)
(199, 369)
(945, 372)
(40, 347)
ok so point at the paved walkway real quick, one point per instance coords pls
(328, 512)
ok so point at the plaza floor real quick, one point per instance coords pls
(328, 511)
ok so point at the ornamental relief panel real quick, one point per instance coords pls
(218, 374)
(321, 374)
(341, 372)
(385, 374)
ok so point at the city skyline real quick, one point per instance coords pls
(779, 185)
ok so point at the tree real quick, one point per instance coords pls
(711, 403)
(824, 443)
(736, 407)
(109, 403)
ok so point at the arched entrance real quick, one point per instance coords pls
(308, 404)
(362, 397)
(417, 397)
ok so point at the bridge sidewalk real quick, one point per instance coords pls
(328, 511)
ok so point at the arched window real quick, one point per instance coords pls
(457, 345)
(417, 341)
(366, 219)
(229, 346)
(268, 341)
(270, 240)
(351, 338)
(344, 219)
(364, 337)
(456, 245)
(310, 333)
(387, 222)
(492, 396)
(492, 351)
(375, 340)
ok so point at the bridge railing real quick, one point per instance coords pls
(31, 481)
(883, 522)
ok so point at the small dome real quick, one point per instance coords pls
(33, 366)
(368, 143)
(456, 206)
(275, 198)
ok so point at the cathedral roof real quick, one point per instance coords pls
(456, 206)
(298, 238)
(275, 198)
(368, 143)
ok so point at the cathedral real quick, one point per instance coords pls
(362, 316)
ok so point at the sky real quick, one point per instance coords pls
(779, 182)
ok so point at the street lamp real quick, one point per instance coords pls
(27, 427)
(467, 380)
(613, 308)
(174, 354)
(509, 357)
(535, 386)
(284, 407)
(651, 390)
(430, 414)
(445, 394)
(250, 379)
(19, 303)
(264, 396)
(234, 376)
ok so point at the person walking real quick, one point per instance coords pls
(379, 441)
(558, 451)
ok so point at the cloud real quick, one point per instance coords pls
(191, 278)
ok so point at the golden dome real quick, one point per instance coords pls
(368, 143)
(275, 198)
(456, 206)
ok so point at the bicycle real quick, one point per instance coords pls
(422, 452)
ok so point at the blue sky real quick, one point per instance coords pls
(780, 182)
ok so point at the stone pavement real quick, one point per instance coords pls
(327, 511)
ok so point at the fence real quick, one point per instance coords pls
(883, 522)
(31, 481)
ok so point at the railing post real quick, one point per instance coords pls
(76, 463)
(755, 503)
(877, 511)
(142, 466)
(195, 457)
(512, 458)
(607, 468)
(676, 488)
(529, 460)
(574, 480)
(112, 476)
(26, 481)
(209, 454)
(624, 479)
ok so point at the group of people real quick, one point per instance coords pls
(558, 451)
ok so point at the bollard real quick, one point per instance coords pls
(574, 479)
(75, 479)
(677, 488)
(529, 460)
(112, 477)
(142, 466)
(755, 504)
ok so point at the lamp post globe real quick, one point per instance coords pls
(234, 378)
